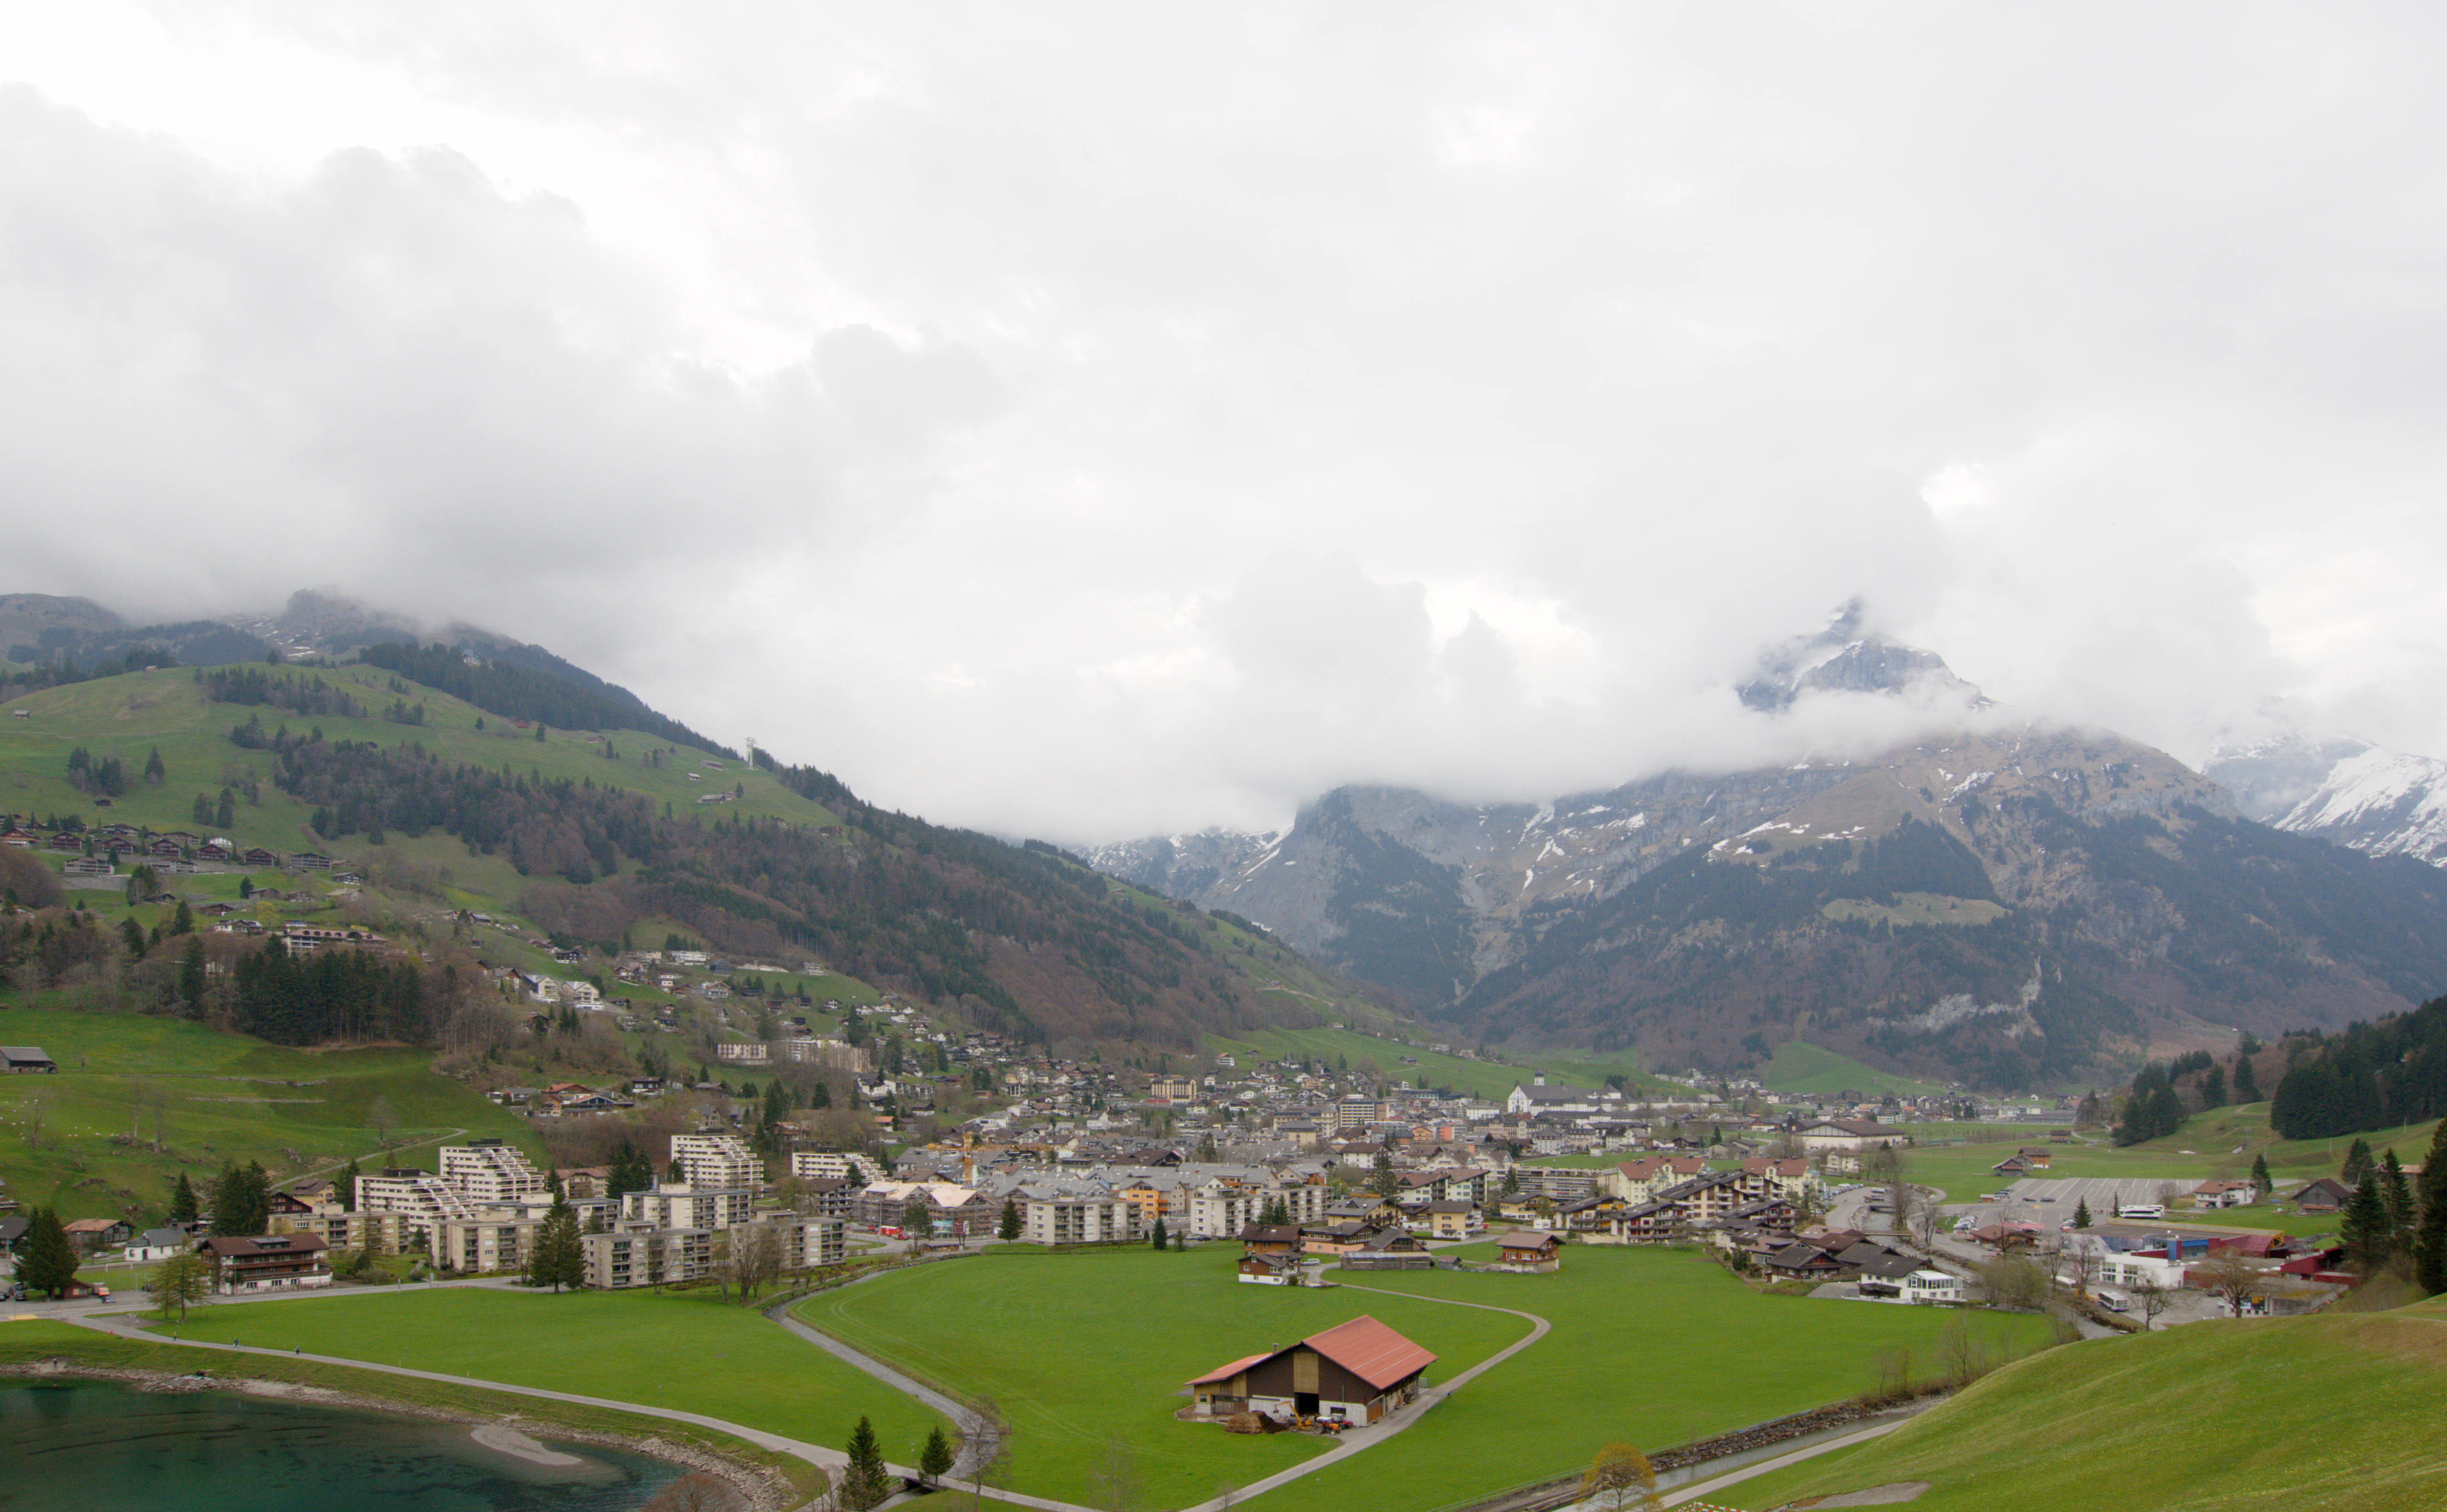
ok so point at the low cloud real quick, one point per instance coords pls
(1091, 430)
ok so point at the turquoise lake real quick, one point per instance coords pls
(98, 1446)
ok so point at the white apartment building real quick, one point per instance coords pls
(819, 1166)
(419, 1197)
(1100, 1220)
(490, 1171)
(684, 1205)
(718, 1160)
(1222, 1214)
(647, 1257)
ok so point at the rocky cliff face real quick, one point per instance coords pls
(2007, 902)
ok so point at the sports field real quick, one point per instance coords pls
(1085, 1351)
(2314, 1414)
(674, 1350)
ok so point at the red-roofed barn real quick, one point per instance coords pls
(1357, 1371)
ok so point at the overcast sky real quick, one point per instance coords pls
(1090, 420)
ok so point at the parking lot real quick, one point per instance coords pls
(2053, 1202)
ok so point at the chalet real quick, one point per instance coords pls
(26, 1058)
(1529, 1253)
(67, 839)
(1270, 1269)
(267, 1262)
(2225, 1194)
(166, 848)
(1802, 1260)
(317, 861)
(89, 866)
(1278, 1238)
(91, 1234)
(1389, 1250)
(1355, 1374)
(261, 858)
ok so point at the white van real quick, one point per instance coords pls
(2143, 1212)
(2113, 1301)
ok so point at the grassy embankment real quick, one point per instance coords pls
(2330, 1413)
(1085, 1351)
(212, 1098)
(28, 1341)
(688, 1351)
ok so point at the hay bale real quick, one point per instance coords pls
(1248, 1423)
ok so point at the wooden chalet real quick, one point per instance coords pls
(1356, 1372)
(1529, 1253)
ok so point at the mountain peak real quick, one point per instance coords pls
(1846, 657)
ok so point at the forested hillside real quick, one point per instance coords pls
(2372, 1076)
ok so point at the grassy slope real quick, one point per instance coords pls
(1802, 1067)
(1086, 1348)
(126, 716)
(2301, 1413)
(1477, 1078)
(222, 1097)
(27, 1341)
(687, 1350)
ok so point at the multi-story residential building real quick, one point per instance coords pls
(718, 1160)
(422, 1201)
(822, 1164)
(952, 1210)
(490, 1171)
(1098, 1218)
(1223, 1214)
(647, 1256)
(267, 1263)
(683, 1204)
(808, 1242)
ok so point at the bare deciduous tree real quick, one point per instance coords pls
(2149, 1297)
(697, 1492)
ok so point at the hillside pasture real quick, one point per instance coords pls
(213, 1098)
(1802, 1068)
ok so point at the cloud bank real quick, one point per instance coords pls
(1090, 420)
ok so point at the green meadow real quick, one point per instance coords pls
(1490, 1079)
(683, 1350)
(1803, 1068)
(1084, 1353)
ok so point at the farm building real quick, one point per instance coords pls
(1357, 1371)
(26, 1058)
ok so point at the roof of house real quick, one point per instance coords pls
(1364, 1347)
(93, 1225)
(236, 1244)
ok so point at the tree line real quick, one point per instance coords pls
(2371, 1076)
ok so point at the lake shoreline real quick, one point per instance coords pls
(759, 1489)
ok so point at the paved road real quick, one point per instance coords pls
(979, 1439)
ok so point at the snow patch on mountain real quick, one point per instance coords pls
(2380, 801)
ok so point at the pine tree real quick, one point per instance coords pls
(1008, 1227)
(2214, 1088)
(47, 1262)
(2396, 1193)
(1180, 1242)
(2430, 1231)
(348, 1175)
(155, 773)
(2364, 1229)
(2261, 1181)
(2358, 1162)
(182, 1201)
(2081, 1215)
(935, 1458)
(1160, 1235)
(863, 1481)
(191, 972)
(241, 1201)
(552, 1185)
(559, 1259)
(2247, 1088)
